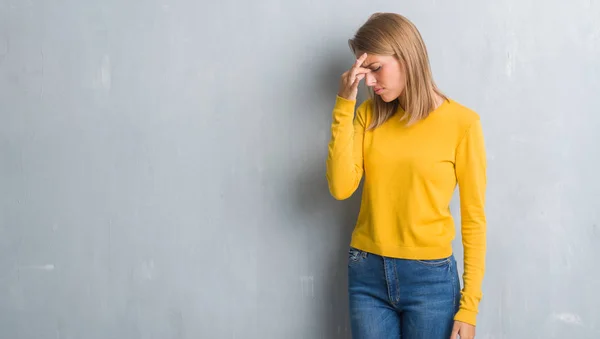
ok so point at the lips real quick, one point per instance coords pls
(378, 90)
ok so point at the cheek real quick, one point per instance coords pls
(392, 78)
(399, 79)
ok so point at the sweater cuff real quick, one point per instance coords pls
(466, 316)
(344, 106)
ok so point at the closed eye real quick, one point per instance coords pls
(376, 69)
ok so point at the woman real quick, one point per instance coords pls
(413, 145)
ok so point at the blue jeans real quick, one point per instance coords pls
(396, 298)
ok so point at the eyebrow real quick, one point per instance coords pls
(369, 65)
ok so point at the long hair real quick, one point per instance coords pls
(393, 34)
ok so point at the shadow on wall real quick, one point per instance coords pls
(330, 222)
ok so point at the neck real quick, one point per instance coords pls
(437, 99)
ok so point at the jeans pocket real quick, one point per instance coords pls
(355, 255)
(435, 262)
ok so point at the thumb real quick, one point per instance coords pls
(455, 329)
(358, 79)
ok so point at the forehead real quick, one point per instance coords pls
(375, 59)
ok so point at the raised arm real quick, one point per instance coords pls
(345, 158)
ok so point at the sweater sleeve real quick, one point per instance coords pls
(345, 158)
(471, 175)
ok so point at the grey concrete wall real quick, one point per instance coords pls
(162, 165)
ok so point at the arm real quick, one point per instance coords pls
(345, 158)
(471, 175)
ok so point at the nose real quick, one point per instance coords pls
(370, 79)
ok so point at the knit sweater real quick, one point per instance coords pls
(410, 174)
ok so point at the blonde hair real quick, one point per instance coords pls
(393, 34)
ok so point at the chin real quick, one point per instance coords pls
(386, 98)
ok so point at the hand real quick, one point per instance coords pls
(351, 79)
(463, 331)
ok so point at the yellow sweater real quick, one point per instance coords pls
(410, 176)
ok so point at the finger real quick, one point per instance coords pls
(360, 61)
(358, 79)
(455, 329)
(356, 83)
(357, 71)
